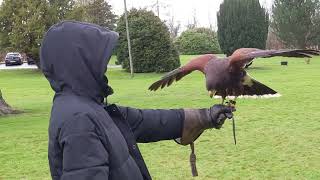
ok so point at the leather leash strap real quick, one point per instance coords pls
(193, 161)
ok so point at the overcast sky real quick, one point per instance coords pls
(182, 10)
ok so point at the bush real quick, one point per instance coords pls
(152, 49)
(198, 41)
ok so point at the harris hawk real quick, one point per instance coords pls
(227, 76)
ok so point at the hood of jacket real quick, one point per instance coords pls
(74, 58)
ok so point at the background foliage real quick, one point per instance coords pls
(198, 41)
(100, 12)
(242, 23)
(296, 22)
(24, 22)
(152, 47)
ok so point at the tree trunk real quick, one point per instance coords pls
(5, 108)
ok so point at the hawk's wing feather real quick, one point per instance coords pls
(168, 79)
(197, 63)
(283, 53)
(244, 56)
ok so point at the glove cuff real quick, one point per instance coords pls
(195, 122)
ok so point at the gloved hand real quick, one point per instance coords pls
(198, 120)
(219, 113)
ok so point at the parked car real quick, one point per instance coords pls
(13, 58)
(30, 60)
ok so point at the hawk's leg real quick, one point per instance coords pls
(223, 96)
(223, 99)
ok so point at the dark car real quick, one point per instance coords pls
(30, 60)
(13, 59)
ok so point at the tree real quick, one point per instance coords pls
(30, 25)
(25, 22)
(314, 39)
(198, 41)
(296, 22)
(194, 23)
(61, 9)
(242, 23)
(8, 10)
(5, 109)
(152, 47)
(78, 13)
(173, 28)
(83, 2)
(273, 41)
(100, 12)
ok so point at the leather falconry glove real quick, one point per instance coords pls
(198, 120)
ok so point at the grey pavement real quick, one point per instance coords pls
(23, 66)
(26, 66)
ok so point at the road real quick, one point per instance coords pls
(26, 66)
(23, 66)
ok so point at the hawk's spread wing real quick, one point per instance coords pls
(244, 56)
(197, 63)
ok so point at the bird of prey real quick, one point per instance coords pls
(227, 76)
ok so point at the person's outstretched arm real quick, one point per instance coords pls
(186, 124)
(150, 125)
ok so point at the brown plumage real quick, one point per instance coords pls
(227, 76)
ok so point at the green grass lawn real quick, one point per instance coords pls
(277, 138)
(113, 60)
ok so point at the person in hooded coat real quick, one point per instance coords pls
(89, 139)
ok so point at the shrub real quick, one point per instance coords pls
(198, 41)
(152, 49)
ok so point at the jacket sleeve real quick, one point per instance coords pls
(84, 156)
(154, 125)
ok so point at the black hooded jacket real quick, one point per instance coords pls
(87, 139)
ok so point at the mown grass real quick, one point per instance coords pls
(277, 138)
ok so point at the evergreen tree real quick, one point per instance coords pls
(242, 23)
(100, 12)
(296, 22)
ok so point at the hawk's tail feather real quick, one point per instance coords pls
(257, 88)
(250, 88)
